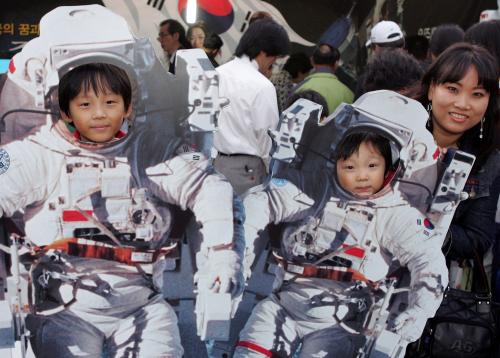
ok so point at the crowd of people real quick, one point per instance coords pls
(456, 80)
(331, 250)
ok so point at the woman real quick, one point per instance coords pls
(460, 90)
(196, 35)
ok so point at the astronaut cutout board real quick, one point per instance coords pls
(118, 193)
(343, 235)
(109, 204)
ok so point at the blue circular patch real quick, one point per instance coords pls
(4, 161)
(279, 182)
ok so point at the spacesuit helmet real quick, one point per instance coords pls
(72, 36)
(386, 116)
(364, 163)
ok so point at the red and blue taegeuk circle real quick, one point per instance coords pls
(218, 15)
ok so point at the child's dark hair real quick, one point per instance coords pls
(99, 77)
(350, 145)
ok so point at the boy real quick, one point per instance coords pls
(97, 214)
(334, 251)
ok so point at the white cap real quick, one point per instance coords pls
(487, 15)
(385, 32)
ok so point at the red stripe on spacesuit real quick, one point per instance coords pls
(355, 251)
(12, 67)
(73, 215)
(255, 347)
(436, 154)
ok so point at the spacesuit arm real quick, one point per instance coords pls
(28, 178)
(188, 180)
(280, 202)
(410, 238)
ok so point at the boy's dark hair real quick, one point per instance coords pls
(98, 77)
(263, 35)
(444, 36)
(350, 145)
(298, 62)
(325, 54)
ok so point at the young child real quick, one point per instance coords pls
(333, 251)
(363, 162)
(98, 216)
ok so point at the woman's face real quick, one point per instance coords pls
(197, 37)
(458, 106)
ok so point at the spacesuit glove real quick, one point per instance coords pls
(221, 273)
(410, 324)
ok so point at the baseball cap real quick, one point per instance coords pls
(487, 15)
(385, 32)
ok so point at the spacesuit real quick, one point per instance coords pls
(97, 217)
(378, 231)
(39, 180)
(335, 251)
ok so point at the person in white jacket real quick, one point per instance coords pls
(334, 251)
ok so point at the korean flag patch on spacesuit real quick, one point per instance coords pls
(427, 224)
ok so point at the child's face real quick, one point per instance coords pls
(98, 118)
(362, 173)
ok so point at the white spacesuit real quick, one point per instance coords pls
(119, 296)
(307, 301)
(96, 215)
(339, 248)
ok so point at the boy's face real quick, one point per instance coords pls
(362, 173)
(98, 118)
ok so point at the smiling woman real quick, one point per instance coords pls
(460, 91)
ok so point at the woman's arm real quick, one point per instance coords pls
(473, 228)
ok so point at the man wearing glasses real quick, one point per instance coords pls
(172, 36)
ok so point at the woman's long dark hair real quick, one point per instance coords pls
(451, 66)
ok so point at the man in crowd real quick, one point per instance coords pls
(242, 141)
(172, 36)
(323, 80)
(296, 68)
(384, 35)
